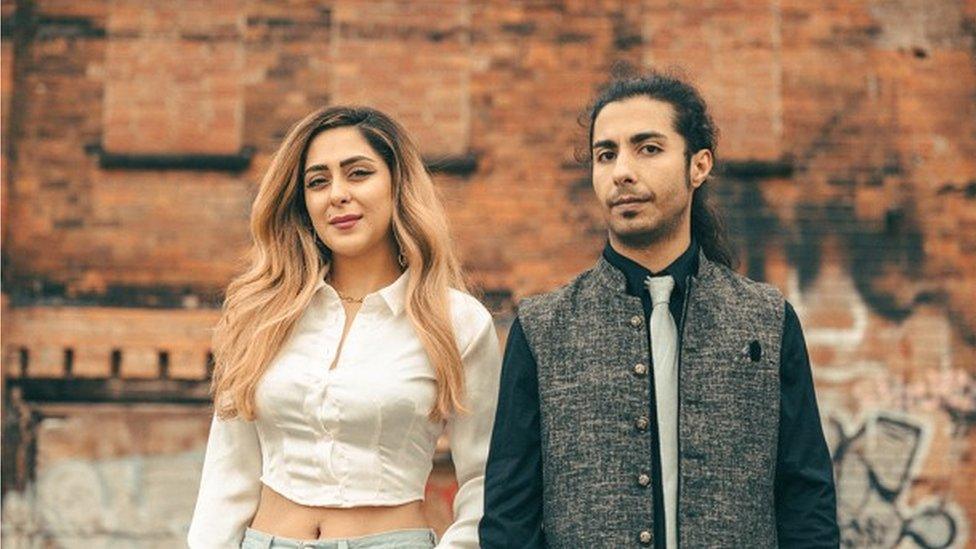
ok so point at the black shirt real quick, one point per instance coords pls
(804, 488)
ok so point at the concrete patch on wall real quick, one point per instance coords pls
(109, 476)
(136, 501)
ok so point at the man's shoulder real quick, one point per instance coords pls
(552, 303)
(753, 286)
(745, 287)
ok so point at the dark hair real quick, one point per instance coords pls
(696, 126)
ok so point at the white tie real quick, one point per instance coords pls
(664, 353)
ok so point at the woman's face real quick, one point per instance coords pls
(349, 193)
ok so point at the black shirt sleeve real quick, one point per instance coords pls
(806, 505)
(513, 474)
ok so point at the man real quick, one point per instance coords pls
(659, 399)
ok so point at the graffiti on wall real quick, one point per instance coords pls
(875, 463)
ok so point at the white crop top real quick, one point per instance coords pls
(357, 434)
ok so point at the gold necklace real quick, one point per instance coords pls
(348, 299)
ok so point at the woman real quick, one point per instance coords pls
(343, 353)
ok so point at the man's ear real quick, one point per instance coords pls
(701, 167)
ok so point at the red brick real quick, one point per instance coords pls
(870, 106)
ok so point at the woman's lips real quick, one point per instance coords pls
(345, 222)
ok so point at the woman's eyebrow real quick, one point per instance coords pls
(317, 168)
(343, 164)
(354, 159)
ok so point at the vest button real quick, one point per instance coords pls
(636, 321)
(643, 479)
(645, 537)
(640, 369)
(642, 423)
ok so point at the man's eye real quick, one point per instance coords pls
(651, 149)
(605, 156)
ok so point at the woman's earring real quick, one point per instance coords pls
(401, 258)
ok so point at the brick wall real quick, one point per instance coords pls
(135, 132)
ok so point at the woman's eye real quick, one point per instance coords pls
(360, 174)
(317, 182)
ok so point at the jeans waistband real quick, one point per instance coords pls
(255, 539)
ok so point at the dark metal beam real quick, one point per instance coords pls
(755, 169)
(111, 391)
(193, 162)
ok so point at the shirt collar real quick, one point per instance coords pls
(394, 295)
(680, 269)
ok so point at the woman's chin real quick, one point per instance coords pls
(352, 248)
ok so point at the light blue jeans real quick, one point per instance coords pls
(421, 538)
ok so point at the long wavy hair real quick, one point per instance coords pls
(287, 261)
(695, 124)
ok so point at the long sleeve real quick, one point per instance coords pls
(513, 478)
(806, 506)
(469, 435)
(230, 485)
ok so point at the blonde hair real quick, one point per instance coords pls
(287, 261)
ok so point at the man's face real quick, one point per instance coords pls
(640, 175)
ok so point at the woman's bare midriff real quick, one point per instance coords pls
(279, 516)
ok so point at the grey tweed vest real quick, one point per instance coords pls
(590, 342)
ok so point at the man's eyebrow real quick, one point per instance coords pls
(634, 139)
(644, 136)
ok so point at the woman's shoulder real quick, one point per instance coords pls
(474, 331)
(469, 315)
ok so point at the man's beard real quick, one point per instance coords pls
(663, 232)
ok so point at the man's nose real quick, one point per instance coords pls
(623, 170)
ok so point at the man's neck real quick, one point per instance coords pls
(655, 256)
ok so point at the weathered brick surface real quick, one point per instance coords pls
(174, 77)
(850, 128)
(735, 49)
(418, 68)
(139, 335)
